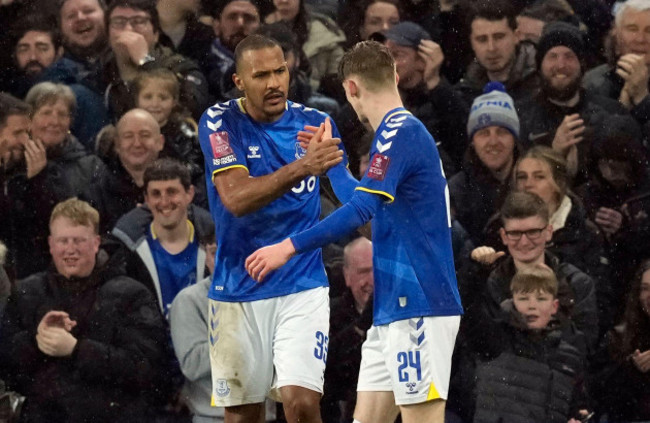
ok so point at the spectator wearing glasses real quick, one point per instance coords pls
(526, 230)
(133, 32)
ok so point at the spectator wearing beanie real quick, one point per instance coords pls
(479, 188)
(562, 115)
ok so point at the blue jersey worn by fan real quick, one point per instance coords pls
(406, 192)
(231, 138)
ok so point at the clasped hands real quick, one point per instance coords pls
(318, 142)
(53, 335)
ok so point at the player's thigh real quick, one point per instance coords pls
(418, 355)
(427, 412)
(375, 399)
(240, 336)
(375, 407)
(301, 339)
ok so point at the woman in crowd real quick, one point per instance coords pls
(617, 196)
(623, 387)
(320, 39)
(359, 19)
(57, 167)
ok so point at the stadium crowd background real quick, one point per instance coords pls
(566, 81)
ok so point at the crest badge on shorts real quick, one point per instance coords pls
(222, 388)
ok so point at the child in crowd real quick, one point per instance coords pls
(531, 363)
(157, 91)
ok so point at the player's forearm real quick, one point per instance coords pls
(252, 193)
(359, 210)
(343, 182)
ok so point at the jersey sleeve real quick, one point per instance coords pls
(222, 147)
(358, 211)
(390, 163)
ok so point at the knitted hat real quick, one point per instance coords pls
(560, 34)
(494, 108)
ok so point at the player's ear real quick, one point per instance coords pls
(352, 88)
(238, 82)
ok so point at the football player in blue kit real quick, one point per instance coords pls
(271, 338)
(406, 358)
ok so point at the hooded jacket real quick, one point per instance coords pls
(132, 230)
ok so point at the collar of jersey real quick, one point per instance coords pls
(189, 225)
(240, 103)
(396, 111)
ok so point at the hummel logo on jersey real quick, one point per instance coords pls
(383, 147)
(253, 152)
(388, 134)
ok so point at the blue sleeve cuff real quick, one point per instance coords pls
(359, 210)
(342, 182)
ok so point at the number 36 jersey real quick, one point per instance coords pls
(230, 138)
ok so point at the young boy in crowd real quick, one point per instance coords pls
(531, 362)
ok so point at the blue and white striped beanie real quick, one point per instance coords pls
(494, 108)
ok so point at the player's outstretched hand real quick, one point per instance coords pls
(267, 259)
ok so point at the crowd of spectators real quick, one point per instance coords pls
(541, 113)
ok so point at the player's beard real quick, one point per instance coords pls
(565, 93)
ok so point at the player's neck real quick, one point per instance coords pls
(173, 239)
(379, 104)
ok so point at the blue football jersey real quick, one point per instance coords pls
(411, 232)
(230, 138)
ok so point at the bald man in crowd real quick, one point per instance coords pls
(137, 144)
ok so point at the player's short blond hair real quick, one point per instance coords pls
(371, 62)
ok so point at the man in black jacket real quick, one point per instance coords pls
(118, 189)
(499, 54)
(562, 115)
(81, 340)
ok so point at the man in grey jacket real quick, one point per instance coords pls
(188, 319)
